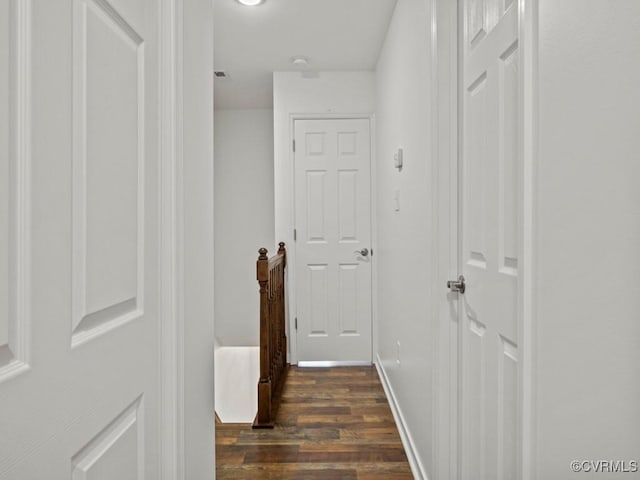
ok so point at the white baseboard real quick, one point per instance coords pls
(417, 469)
(332, 363)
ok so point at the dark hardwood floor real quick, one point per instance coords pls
(333, 423)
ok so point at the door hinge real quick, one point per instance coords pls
(295, 234)
(294, 145)
(296, 322)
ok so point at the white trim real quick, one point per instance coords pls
(20, 149)
(444, 153)
(291, 249)
(528, 26)
(23, 193)
(171, 410)
(455, 225)
(332, 363)
(290, 314)
(435, 134)
(374, 236)
(195, 239)
(328, 116)
(417, 469)
(528, 45)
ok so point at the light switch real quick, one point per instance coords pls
(397, 159)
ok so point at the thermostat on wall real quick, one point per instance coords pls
(397, 159)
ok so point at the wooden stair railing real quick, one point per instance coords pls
(273, 340)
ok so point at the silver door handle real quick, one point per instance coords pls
(364, 252)
(457, 285)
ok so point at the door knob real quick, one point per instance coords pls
(457, 285)
(364, 252)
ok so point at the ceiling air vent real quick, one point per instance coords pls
(220, 74)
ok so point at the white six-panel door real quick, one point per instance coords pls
(333, 223)
(489, 172)
(79, 328)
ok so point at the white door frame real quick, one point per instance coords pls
(291, 250)
(528, 23)
(171, 257)
(181, 77)
(445, 148)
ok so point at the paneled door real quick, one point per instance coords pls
(79, 329)
(333, 241)
(489, 240)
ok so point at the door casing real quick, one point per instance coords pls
(446, 120)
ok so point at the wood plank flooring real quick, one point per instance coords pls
(333, 423)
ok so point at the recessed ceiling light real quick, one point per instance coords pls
(300, 62)
(250, 3)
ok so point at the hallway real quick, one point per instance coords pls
(333, 423)
(456, 187)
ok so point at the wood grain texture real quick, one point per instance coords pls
(333, 423)
(270, 273)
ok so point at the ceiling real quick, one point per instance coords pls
(253, 42)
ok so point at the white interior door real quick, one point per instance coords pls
(489, 239)
(333, 241)
(79, 327)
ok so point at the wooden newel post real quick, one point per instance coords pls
(264, 385)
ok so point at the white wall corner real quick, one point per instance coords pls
(410, 449)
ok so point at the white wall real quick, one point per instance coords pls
(586, 224)
(405, 237)
(244, 218)
(325, 94)
(196, 436)
(329, 92)
(588, 233)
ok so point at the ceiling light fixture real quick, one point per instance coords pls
(250, 3)
(300, 62)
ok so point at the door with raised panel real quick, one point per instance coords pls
(79, 329)
(333, 241)
(489, 240)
